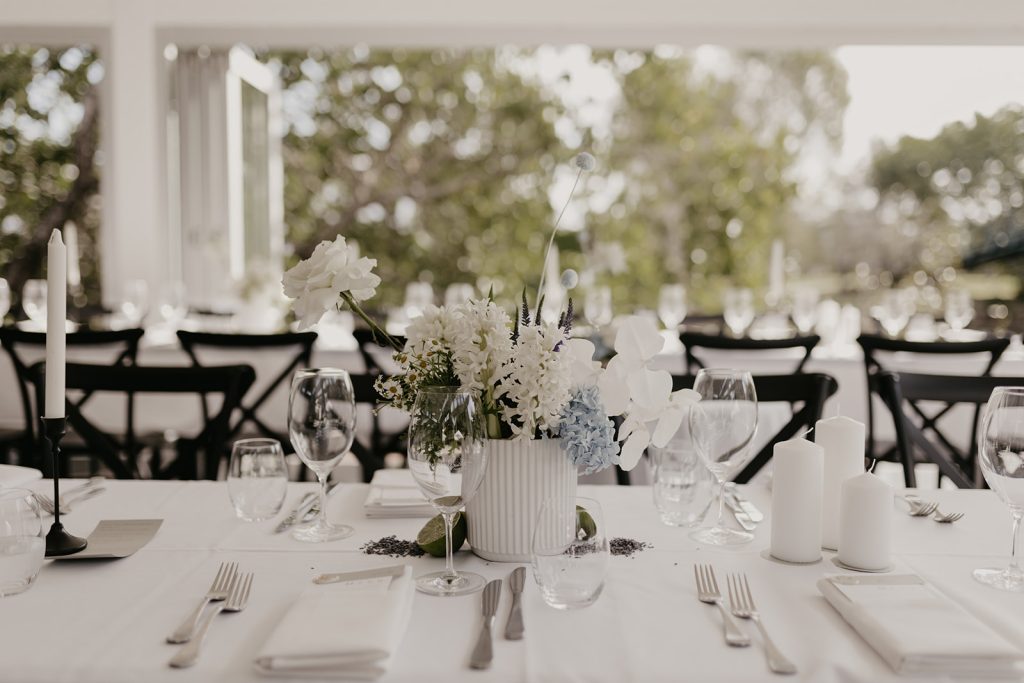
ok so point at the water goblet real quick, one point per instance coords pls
(22, 541)
(322, 427)
(257, 478)
(570, 552)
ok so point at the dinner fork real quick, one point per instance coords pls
(75, 494)
(238, 598)
(947, 517)
(218, 591)
(919, 508)
(707, 591)
(743, 607)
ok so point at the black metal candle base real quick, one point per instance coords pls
(58, 541)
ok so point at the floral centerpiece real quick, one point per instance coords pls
(540, 388)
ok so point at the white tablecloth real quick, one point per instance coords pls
(106, 621)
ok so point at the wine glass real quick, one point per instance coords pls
(805, 307)
(173, 305)
(458, 293)
(896, 309)
(134, 301)
(33, 301)
(1001, 456)
(672, 305)
(447, 460)
(959, 309)
(321, 426)
(5, 298)
(723, 424)
(597, 306)
(738, 309)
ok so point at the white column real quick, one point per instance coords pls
(133, 233)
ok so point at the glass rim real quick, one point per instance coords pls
(310, 372)
(442, 389)
(1008, 390)
(720, 372)
(15, 493)
(256, 441)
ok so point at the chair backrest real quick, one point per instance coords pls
(124, 343)
(693, 341)
(904, 390)
(809, 390)
(875, 345)
(381, 443)
(369, 345)
(230, 382)
(301, 346)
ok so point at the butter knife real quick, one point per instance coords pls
(483, 653)
(742, 517)
(756, 516)
(304, 506)
(514, 625)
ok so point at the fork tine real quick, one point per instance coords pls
(729, 579)
(248, 589)
(714, 579)
(750, 596)
(223, 582)
(696, 579)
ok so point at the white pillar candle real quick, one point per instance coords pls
(865, 523)
(796, 501)
(842, 438)
(56, 314)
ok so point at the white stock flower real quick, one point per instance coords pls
(318, 282)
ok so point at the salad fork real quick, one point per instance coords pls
(707, 592)
(218, 591)
(238, 598)
(743, 607)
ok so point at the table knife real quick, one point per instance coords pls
(305, 503)
(742, 517)
(483, 653)
(756, 516)
(514, 625)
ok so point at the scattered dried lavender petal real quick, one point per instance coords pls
(392, 546)
(627, 547)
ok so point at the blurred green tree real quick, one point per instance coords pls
(49, 131)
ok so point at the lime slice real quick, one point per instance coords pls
(586, 527)
(431, 536)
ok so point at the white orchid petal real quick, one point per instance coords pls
(614, 396)
(634, 448)
(638, 337)
(685, 397)
(668, 425)
(650, 389)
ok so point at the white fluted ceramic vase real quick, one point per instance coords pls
(521, 474)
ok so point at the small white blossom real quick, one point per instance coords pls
(318, 282)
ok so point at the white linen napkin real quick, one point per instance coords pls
(346, 629)
(394, 494)
(918, 630)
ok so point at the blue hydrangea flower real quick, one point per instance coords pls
(588, 436)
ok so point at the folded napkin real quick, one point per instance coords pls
(14, 475)
(349, 628)
(917, 629)
(393, 494)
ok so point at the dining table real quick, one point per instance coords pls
(106, 621)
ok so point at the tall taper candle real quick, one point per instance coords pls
(56, 314)
(796, 501)
(842, 438)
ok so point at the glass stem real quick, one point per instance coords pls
(449, 562)
(721, 504)
(323, 499)
(1015, 543)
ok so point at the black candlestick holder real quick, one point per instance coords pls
(58, 541)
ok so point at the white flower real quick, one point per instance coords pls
(570, 278)
(585, 161)
(537, 382)
(318, 282)
(480, 343)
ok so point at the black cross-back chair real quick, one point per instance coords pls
(696, 340)
(368, 345)
(809, 391)
(123, 343)
(301, 346)
(381, 443)
(120, 456)
(901, 389)
(873, 345)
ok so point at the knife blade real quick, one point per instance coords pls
(514, 625)
(742, 517)
(756, 516)
(483, 653)
(305, 503)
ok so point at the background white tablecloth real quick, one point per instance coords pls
(106, 621)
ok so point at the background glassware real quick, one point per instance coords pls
(597, 306)
(322, 427)
(895, 310)
(134, 301)
(570, 552)
(418, 295)
(22, 541)
(672, 305)
(723, 424)
(257, 478)
(1001, 456)
(683, 487)
(805, 308)
(959, 309)
(173, 304)
(458, 293)
(447, 460)
(738, 309)
(5, 298)
(33, 301)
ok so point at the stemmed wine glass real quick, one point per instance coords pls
(447, 460)
(33, 301)
(672, 305)
(723, 424)
(738, 309)
(1001, 456)
(321, 426)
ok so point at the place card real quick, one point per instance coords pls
(113, 539)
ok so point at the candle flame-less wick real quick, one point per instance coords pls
(804, 433)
